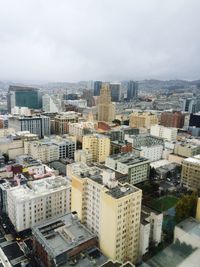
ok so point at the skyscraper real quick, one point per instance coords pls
(132, 90)
(21, 96)
(106, 109)
(115, 89)
(97, 88)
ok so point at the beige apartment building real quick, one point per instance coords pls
(105, 107)
(143, 120)
(190, 175)
(109, 209)
(98, 145)
(63, 119)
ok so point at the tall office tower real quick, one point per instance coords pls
(97, 88)
(109, 209)
(98, 145)
(172, 119)
(132, 90)
(39, 125)
(106, 109)
(190, 175)
(191, 105)
(115, 89)
(52, 103)
(24, 97)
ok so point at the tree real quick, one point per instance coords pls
(186, 207)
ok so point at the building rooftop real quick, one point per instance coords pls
(195, 160)
(128, 158)
(62, 234)
(39, 188)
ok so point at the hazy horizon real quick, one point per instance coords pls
(71, 41)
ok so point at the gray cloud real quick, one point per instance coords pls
(63, 40)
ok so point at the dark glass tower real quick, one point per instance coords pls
(97, 88)
(20, 96)
(132, 90)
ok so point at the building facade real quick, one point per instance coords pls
(24, 97)
(41, 200)
(143, 120)
(172, 119)
(39, 125)
(166, 133)
(132, 90)
(98, 145)
(190, 175)
(98, 200)
(105, 107)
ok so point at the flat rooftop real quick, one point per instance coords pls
(120, 190)
(128, 158)
(62, 234)
(39, 188)
(195, 160)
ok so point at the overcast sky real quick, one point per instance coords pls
(72, 40)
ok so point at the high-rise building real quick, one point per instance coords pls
(194, 120)
(115, 89)
(190, 175)
(97, 88)
(21, 96)
(29, 205)
(98, 145)
(191, 105)
(52, 103)
(100, 201)
(143, 120)
(39, 125)
(132, 90)
(172, 119)
(106, 109)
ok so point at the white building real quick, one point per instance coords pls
(52, 103)
(83, 156)
(80, 103)
(150, 229)
(50, 149)
(31, 204)
(152, 153)
(136, 167)
(167, 133)
(81, 128)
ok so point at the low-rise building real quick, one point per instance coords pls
(186, 150)
(190, 175)
(147, 146)
(143, 120)
(61, 241)
(136, 167)
(167, 133)
(120, 147)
